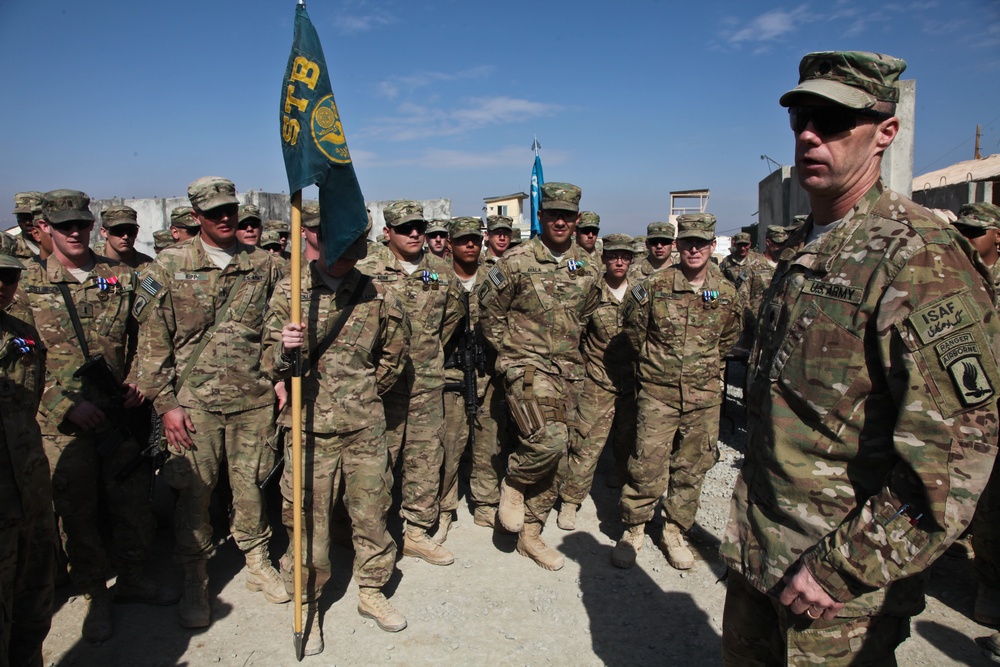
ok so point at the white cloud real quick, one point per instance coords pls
(355, 23)
(435, 158)
(769, 26)
(393, 86)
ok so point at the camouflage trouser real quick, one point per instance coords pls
(491, 447)
(759, 630)
(674, 450)
(456, 437)
(358, 462)
(27, 565)
(536, 461)
(242, 440)
(986, 533)
(599, 410)
(419, 421)
(79, 474)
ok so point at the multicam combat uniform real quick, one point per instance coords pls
(344, 441)
(873, 424)
(27, 532)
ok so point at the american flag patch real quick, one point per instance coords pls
(151, 286)
(639, 293)
(496, 276)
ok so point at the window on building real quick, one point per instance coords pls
(501, 210)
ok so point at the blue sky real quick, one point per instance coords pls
(630, 100)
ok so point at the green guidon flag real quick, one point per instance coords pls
(313, 141)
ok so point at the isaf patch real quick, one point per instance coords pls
(940, 319)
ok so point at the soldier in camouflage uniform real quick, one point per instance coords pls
(26, 205)
(608, 400)
(437, 238)
(414, 407)
(533, 305)
(249, 226)
(83, 437)
(354, 346)
(515, 237)
(659, 242)
(872, 395)
(27, 532)
(682, 322)
(498, 239)
(183, 224)
(201, 307)
(119, 229)
(283, 230)
(162, 239)
(587, 232)
(752, 279)
(736, 266)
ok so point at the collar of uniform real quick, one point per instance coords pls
(57, 273)
(681, 283)
(543, 254)
(820, 255)
(201, 260)
(312, 280)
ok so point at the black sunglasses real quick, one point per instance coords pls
(123, 230)
(9, 276)
(216, 214)
(248, 224)
(437, 235)
(408, 228)
(830, 120)
(70, 226)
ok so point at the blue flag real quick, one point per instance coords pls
(537, 179)
(313, 141)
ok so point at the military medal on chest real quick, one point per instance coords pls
(107, 286)
(710, 298)
(24, 345)
(574, 265)
(431, 280)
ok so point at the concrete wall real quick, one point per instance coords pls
(433, 209)
(953, 197)
(897, 161)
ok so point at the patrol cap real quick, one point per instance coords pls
(210, 192)
(495, 222)
(249, 212)
(8, 246)
(438, 225)
(741, 239)
(278, 226)
(162, 239)
(66, 206)
(465, 226)
(854, 79)
(660, 230)
(561, 196)
(403, 211)
(621, 242)
(589, 220)
(119, 215)
(310, 214)
(515, 237)
(696, 226)
(978, 215)
(183, 216)
(27, 202)
(270, 238)
(777, 234)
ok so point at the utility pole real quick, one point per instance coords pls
(979, 132)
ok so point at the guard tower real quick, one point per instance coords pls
(687, 201)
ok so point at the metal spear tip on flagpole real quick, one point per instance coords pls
(535, 145)
(299, 646)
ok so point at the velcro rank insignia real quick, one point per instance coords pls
(496, 277)
(150, 286)
(639, 293)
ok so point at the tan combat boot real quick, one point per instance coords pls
(444, 525)
(97, 624)
(511, 510)
(672, 542)
(374, 605)
(193, 611)
(418, 544)
(628, 547)
(134, 586)
(261, 576)
(531, 545)
(312, 629)
(485, 516)
(567, 516)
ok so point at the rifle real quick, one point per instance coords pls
(471, 358)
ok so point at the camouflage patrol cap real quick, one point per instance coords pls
(66, 206)
(639, 245)
(495, 222)
(979, 215)
(741, 239)
(249, 212)
(119, 215)
(310, 214)
(777, 234)
(515, 237)
(27, 202)
(402, 211)
(183, 216)
(621, 242)
(438, 225)
(589, 220)
(561, 196)
(854, 79)
(270, 238)
(210, 192)
(162, 239)
(466, 226)
(277, 226)
(696, 226)
(8, 245)
(660, 230)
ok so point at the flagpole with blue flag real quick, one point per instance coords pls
(537, 180)
(315, 152)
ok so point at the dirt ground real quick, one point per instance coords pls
(494, 607)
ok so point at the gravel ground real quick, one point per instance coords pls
(494, 607)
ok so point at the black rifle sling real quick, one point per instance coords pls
(73, 315)
(220, 317)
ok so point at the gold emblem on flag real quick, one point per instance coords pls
(328, 133)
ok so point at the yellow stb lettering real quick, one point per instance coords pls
(291, 100)
(305, 71)
(290, 130)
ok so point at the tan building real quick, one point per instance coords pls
(515, 207)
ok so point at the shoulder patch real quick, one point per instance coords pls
(497, 277)
(639, 293)
(941, 318)
(150, 286)
(971, 381)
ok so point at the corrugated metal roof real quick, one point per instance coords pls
(986, 169)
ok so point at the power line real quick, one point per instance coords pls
(934, 162)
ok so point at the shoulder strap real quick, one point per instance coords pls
(220, 317)
(73, 315)
(335, 330)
